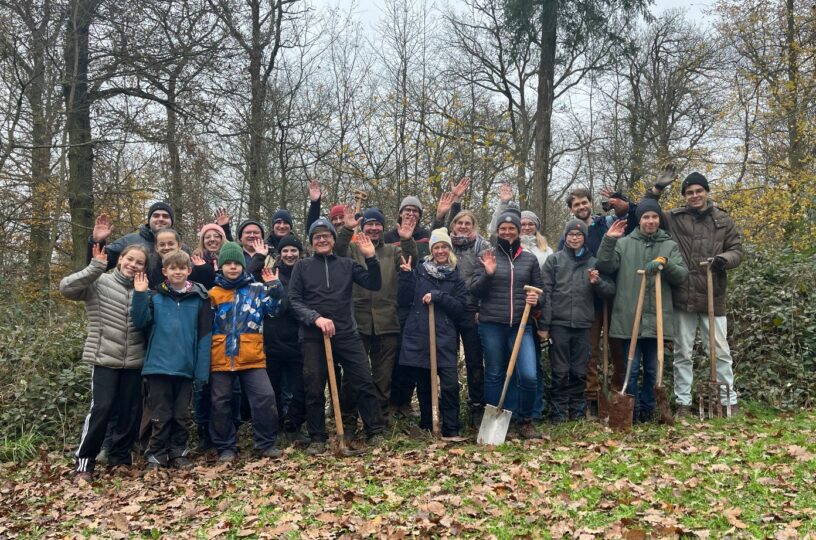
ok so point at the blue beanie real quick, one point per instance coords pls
(373, 214)
(282, 215)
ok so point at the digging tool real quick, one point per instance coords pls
(360, 196)
(712, 390)
(434, 374)
(342, 449)
(623, 405)
(660, 390)
(603, 398)
(496, 420)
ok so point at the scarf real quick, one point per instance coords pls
(242, 281)
(438, 271)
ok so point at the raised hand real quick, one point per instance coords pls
(98, 252)
(617, 229)
(103, 227)
(406, 265)
(666, 176)
(349, 220)
(488, 261)
(505, 192)
(427, 299)
(365, 245)
(268, 275)
(607, 192)
(406, 227)
(198, 260)
(326, 326)
(260, 246)
(444, 206)
(460, 189)
(314, 190)
(222, 217)
(140, 282)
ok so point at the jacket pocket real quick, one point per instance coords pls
(251, 353)
(218, 357)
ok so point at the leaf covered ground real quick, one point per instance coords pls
(752, 476)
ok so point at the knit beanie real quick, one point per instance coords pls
(576, 225)
(532, 217)
(440, 235)
(161, 205)
(290, 240)
(211, 227)
(694, 178)
(322, 223)
(648, 205)
(511, 215)
(410, 200)
(282, 215)
(248, 222)
(373, 214)
(231, 252)
(338, 210)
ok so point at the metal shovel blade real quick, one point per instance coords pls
(620, 411)
(495, 423)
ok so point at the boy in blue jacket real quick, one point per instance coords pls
(178, 320)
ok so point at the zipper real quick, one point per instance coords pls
(129, 294)
(512, 280)
(234, 325)
(326, 265)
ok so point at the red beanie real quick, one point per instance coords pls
(336, 210)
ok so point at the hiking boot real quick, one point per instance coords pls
(527, 430)
(227, 456)
(298, 439)
(316, 448)
(102, 456)
(153, 466)
(405, 411)
(181, 462)
(272, 452)
(376, 440)
(476, 417)
(734, 410)
(592, 410)
(204, 442)
(684, 411)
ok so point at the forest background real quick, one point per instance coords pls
(109, 106)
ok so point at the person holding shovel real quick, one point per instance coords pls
(651, 249)
(704, 232)
(434, 285)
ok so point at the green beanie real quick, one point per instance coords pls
(231, 252)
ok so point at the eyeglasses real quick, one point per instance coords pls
(574, 235)
(321, 237)
(409, 210)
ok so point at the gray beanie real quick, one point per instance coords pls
(410, 200)
(526, 214)
(576, 225)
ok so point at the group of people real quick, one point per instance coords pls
(240, 324)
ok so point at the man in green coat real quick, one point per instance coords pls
(648, 248)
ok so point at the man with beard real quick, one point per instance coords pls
(159, 216)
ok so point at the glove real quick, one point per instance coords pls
(653, 267)
(606, 206)
(717, 263)
(665, 177)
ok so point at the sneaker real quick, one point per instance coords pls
(181, 462)
(227, 456)
(298, 439)
(405, 411)
(376, 440)
(476, 418)
(83, 478)
(734, 410)
(152, 466)
(682, 411)
(102, 456)
(316, 448)
(272, 452)
(527, 430)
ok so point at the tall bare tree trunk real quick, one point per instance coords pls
(546, 97)
(176, 180)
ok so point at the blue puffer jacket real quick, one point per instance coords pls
(449, 297)
(180, 329)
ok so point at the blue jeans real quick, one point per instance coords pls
(645, 354)
(497, 344)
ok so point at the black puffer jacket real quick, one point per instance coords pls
(502, 296)
(281, 333)
(569, 298)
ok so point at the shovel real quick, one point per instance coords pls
(660, 390)
(603, 398)
(342, 449)
(434, 375)
(496, 420)
(623, 405)
(711, 391)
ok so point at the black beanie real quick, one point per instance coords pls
(243, 225)
(648, 205)
(511, 215)
(290, 240)
(282, 215)
(694, 178)
(161, 205)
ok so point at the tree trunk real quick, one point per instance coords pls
(176, 180)
(78, 124)
(257, 168)
(546, 96)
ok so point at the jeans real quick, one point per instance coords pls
(497, 344)
(255, 383)
(685, 330)
(646, 355)
(569, 357)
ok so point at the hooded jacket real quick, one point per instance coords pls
(180, 328)
(113, 341)
(628, 255)
(280, 334)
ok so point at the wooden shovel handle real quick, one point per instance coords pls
(517, 345)
(635, 329)
(338, 416)
(434, 372)
(659, 317)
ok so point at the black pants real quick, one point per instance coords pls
(261, 397)
(474, 362)
(290, 369)
(112, 390)
(168, 400)
(448, 402)
(349, 353)
(382, 352)
(569, 357)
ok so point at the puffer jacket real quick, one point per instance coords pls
(280, 334)
(626, 256)
(502, 296)
(113, 340)
(569, 298)
(448, 296)
(180, 329)
(376, 311)
(467, 261)
(238, 311)
(700, 235)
